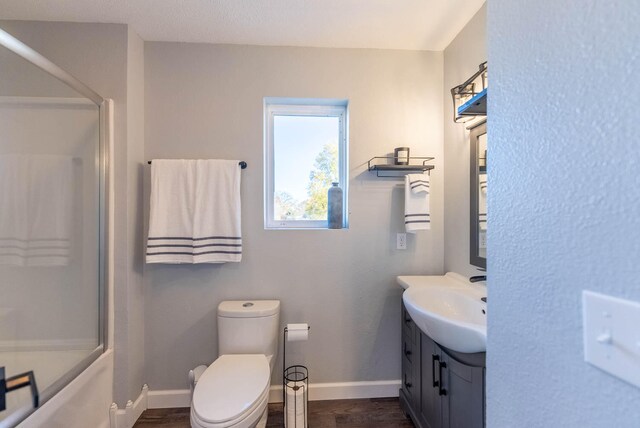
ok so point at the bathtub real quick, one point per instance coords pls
(82, 403)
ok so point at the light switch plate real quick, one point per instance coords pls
(612, 335)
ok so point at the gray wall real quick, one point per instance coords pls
(131, 380)
(461, 60)
(205, 101)
(98, 55)
(564, 205)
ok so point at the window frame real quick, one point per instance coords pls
(303, 107)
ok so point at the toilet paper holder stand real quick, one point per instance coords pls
(294, 379)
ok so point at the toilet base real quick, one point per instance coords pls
(262, 423)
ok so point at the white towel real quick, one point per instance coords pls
(195, 212)
(416, 203)
(36, 197)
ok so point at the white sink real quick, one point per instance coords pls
(448, 309)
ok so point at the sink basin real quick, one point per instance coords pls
(448, 309)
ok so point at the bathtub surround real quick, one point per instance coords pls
(557, 118)
(109, 59)
(210, 99)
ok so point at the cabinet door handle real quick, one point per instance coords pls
(407, 384)
(407, 319)
(434, 358)
(441, 390)
(406, 351)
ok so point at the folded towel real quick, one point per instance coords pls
(194, 212)
(419, 183)
(482, 202)
(36, 197)
(416, 203)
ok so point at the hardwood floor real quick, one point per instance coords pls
(365, 413)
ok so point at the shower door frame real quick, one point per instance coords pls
(106, 133)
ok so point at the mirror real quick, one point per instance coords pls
(478, 207)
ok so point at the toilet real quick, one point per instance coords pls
(234, 390)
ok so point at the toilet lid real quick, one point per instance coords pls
(230, 387)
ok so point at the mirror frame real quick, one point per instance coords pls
(475, 259)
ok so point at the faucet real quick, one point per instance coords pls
(478, 278)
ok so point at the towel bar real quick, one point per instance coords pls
(242, 164)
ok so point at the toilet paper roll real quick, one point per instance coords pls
(296, 406)
(297, 332)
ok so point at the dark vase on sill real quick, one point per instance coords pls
(334, 208)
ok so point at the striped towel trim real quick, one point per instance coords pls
(34, 252)
(194, 246)
(419, 186)
(413, 186)
(421, 218)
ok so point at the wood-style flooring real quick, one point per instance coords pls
(365, 413)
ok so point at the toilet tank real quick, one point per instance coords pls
(249, 327)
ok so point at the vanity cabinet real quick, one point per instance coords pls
(440, 388)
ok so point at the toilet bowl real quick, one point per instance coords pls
(233, 391)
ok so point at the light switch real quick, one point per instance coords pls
(612, 335)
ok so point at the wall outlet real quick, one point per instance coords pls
(401, 241)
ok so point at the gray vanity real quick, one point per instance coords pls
(444, 342)
(440, 388)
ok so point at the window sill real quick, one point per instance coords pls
(302, 228)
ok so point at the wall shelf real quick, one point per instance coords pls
(476, 106)
(469, 102)
(393, 170)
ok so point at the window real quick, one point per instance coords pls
(305, 151)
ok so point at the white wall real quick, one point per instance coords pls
(564, 205)
(205, 101)
(461, 60)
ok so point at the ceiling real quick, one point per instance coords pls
(381, 24)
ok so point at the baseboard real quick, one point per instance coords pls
(344, 390)
(163, 399)
(168, 398)
(127, 417)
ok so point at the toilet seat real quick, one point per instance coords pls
(232, 392)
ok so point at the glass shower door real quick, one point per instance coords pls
(50, 240)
